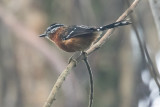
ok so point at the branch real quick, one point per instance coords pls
(151, 67)
(91, 80)
(145, 54)
(93, 48)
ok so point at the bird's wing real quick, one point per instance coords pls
(75, 31)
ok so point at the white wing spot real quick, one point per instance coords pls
(83, 26)
(124, 22)
(117, 24)
(99, 29)
(70, 33)
(53, 30)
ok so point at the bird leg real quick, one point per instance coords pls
(73, 57)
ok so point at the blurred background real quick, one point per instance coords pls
(29, 65)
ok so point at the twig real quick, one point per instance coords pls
(136, 31)
(91, 80)
(155, 8)
(64, 74)
(151, 67)
(145, 54)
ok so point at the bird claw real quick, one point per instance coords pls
(84, 54)
(71, 59)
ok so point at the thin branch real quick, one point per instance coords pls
(145, 53)
(151, 67)
(155, 8)
(134, 24)
(91, 80)
(72, 64)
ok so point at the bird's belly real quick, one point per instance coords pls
(75, 44)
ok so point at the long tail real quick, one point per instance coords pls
(113, 25)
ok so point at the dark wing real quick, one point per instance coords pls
(75, 31)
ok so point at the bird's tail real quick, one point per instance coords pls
(113, 25)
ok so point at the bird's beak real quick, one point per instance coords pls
(42, 35)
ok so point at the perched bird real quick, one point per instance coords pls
(77, 37)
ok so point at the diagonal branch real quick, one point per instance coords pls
(93, 48)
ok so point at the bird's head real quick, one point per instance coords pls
(51, 29)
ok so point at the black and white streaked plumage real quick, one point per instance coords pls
(76, 30)
(51, 29)
(77, 37)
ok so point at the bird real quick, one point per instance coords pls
(75, 38)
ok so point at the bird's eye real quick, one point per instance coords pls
(49, 28)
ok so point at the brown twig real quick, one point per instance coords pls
(73, 63)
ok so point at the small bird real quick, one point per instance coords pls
(77, 37)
